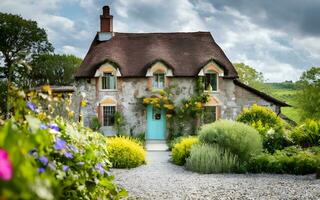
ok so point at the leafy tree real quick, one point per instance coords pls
(53, 69)
(309, 93)
(20, 40)
(251, 77)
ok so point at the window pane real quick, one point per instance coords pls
(161, 80)
(108, 81)
(210, 79)
(209, 114)
(108, 115)
(213, 81)
(158, 80)
(155, 80)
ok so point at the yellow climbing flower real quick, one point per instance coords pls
(84, 103)
(71, 113)
(42, 115)
(169, 106)
(198, 105)
(47, 89)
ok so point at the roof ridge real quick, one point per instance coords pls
(165, 33)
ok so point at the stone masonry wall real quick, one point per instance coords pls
(130, 91)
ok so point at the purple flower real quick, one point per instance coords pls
(43, 126)
(99, 167)
(32, 151)
(60, 144)
(44, 160)
(65, 168)
(68, 155)
(41, 170)
(54, 127)
(31, 106)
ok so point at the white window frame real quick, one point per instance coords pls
(103, 114)
(217, 81)
(115, 81)
(156, 74)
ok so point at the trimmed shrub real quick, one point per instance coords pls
(174, 141)
(181, 150)
(240, 139)
(291, 160)
(125, 152)
(205, 158)
(307, 134)
(268, 124)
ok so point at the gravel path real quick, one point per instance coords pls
(160, 179)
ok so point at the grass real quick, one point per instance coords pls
(289, 95)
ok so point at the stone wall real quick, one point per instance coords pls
(130, 92)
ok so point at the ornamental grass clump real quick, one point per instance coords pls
(181, 150)
(238, 138)
(125, 152)
(205, 158)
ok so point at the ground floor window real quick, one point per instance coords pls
(209, 114)
(108, 115)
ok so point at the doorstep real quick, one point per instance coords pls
(156, 145)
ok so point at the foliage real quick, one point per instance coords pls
(174, 141)
(309, 93)
(249, 76)
(20, 41)
(119, 122)
(141, 137)
(52, 69)
(307, 134)
(291, 160)
(95, 124)
(53, 158)
(205, 158)
(160, 99)
(240, 139)
(125, 152)
(181, 150)
(268, 124)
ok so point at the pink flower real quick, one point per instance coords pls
(5, 166)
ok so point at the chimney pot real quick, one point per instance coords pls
(106, 20)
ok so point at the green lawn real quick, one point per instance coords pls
(289, 96)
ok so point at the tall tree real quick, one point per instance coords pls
(309, 93)
(251, 77)
(20, 41)
(53, 69)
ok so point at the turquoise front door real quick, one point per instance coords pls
(156, 123)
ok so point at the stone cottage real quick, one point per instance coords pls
(121, 68)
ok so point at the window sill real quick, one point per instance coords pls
(108, 90)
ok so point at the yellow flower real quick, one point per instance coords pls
(47, 88)
(198, 105)
(42, 115)
(71, 113)
(169, 106)
(83, 103)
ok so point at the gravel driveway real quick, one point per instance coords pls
(160, 179)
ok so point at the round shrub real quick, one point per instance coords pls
(125, 152)
(241, 139)
(268, 124)
(182, 149)
(261, 118)
(205, 158)
(307, 134)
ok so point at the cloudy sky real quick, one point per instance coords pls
(279, 38)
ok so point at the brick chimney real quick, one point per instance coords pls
(106, 20)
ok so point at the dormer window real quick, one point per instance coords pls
(108, 81)
(158, 80)
(211, 81)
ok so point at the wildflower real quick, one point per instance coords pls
(83, 103)
(60, 144)
(44, 160)
(54, 127)
(47, 88)
(41, 170)
(99, 167)
(68, 155)
(73, 148)
(65, 168)
(43, 126)
(31, 106)
(32, 151)
(5, 166)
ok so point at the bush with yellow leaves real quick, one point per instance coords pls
(125, 152)
(181, 150)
